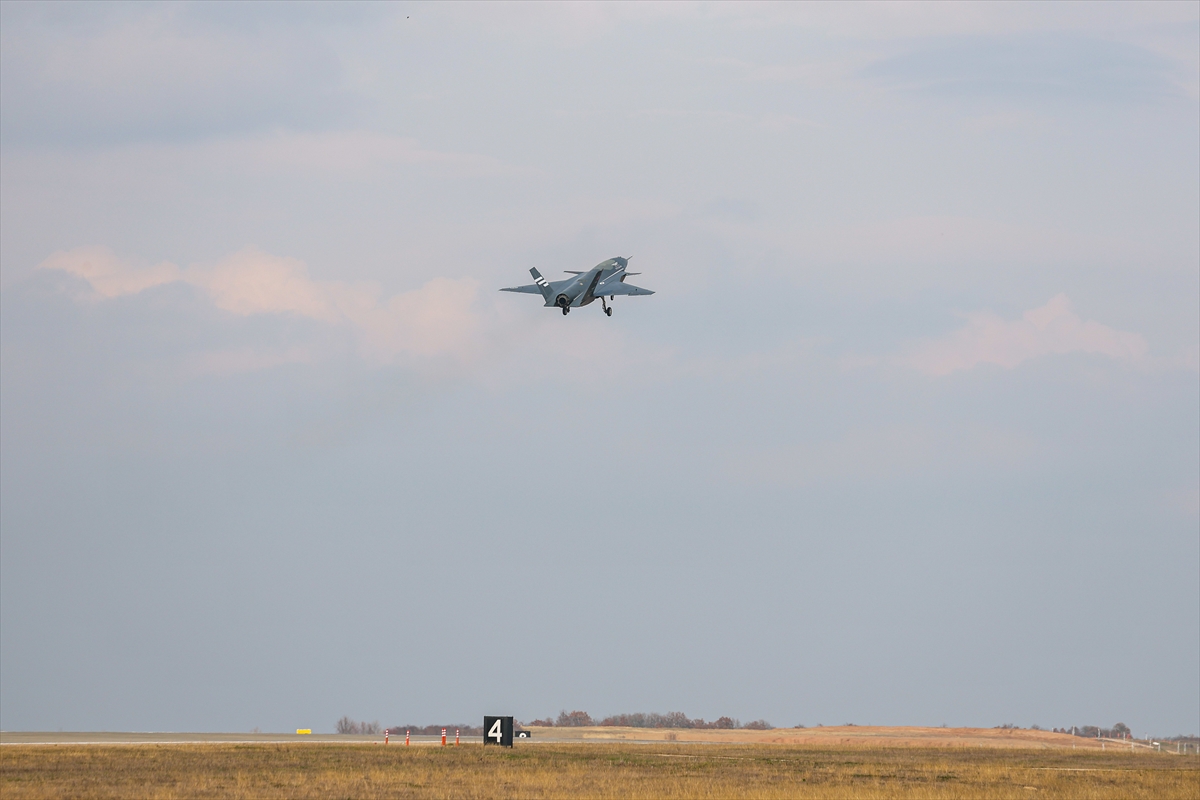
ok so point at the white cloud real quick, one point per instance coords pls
(108, 275)
(440, 319)
(253, 282)
(1052, 329)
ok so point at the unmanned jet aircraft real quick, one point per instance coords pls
(606, 279)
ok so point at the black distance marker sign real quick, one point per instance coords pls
(498, 730)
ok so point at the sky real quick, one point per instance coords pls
(909, 433)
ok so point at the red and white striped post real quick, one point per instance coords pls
(386, 733)
(406, 738)
(456, 737)
(443, 737)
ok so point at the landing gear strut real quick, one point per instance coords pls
(607, 310)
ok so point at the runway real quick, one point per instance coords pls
(158, 737)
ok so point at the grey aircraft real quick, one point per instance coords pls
(606, 279)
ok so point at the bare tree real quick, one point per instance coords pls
(349, 726)
(576, 719)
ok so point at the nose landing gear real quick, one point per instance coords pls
(607, 310)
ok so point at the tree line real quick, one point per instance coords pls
(436, 730)
(1118, 731)
(350, 726)
(672, 719)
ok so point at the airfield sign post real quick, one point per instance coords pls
(498, 731)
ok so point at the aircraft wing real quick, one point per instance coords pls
(615, 287)
(531, 288)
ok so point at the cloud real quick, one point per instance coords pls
(108, 275)
(1055, 67)
(137, 74)
(438, 320)
(575, 23)
(1052, 329)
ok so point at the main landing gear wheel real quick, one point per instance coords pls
(566, 310)
(608, 311)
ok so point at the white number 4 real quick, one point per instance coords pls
(495, 733)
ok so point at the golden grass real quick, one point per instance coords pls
(834, 736)
(579, 770)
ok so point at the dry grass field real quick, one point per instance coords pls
(321, 770)
(831, 735)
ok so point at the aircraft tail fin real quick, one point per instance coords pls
(542, 283)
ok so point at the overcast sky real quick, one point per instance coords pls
(908, 434)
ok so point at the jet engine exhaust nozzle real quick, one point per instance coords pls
(562, 301)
